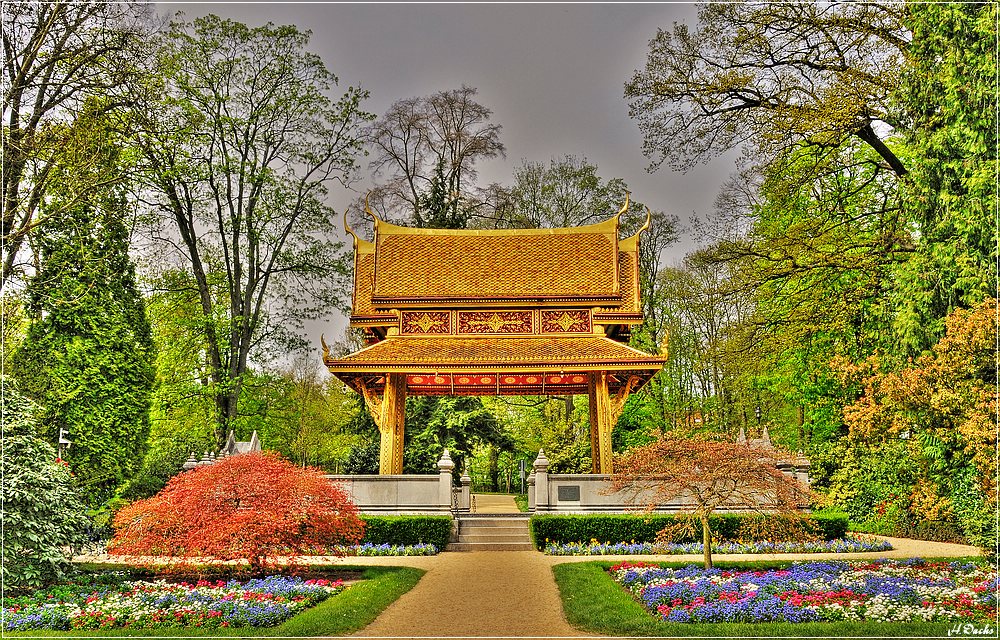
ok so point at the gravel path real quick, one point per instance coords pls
(494, 503)
(469, 595)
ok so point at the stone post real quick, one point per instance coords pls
(541, 467)
(802, 468)
(465, 497)
(531, 492)
(445, 465)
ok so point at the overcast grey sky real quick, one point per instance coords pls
(553, 74)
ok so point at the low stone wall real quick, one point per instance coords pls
(590, 493)
(402, 494)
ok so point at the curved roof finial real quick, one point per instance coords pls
(326, 348)
(369, 211)
(649, 221)
(624, 206)
(347, 227)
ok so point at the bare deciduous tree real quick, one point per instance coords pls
(416, 135)
(771, 75)
(56, 55)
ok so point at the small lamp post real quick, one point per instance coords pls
(64, 443)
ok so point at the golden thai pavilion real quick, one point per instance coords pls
(496, 312)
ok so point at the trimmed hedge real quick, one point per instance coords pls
(407, 530)
(643, 528)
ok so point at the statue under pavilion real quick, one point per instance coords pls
(496, 312)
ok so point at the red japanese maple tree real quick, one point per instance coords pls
(254, 507)
(710, 475)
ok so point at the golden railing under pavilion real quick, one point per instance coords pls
(495, 312)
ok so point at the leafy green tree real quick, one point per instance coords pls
(949, 100)
(440, 207)
(455, 423)
(42, 511)
(568, 192)
(87, 358)
(242, 143)
(943, 405)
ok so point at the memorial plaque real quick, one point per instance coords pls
(569, 493)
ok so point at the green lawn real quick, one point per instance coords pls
(593, 602)
(344, 613)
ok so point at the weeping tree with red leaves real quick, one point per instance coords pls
(253, 507)
(708, 475)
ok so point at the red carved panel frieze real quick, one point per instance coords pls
(495, 322)
(566, 321)
(425, 322)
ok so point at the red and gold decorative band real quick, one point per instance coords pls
(425, 322)
(479, 322)
(566, 321)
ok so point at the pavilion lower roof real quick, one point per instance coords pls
(535, 365)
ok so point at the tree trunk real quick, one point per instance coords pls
(800, 420)
(494, 469)
(568, 400)
(706, 539)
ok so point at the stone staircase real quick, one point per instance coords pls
(492, 532)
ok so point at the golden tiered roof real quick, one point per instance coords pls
(414, 267)
(523, 301)
(406, 267)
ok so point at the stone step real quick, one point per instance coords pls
(490, 546)
(495, 521)
(462, 528)
(493, 537)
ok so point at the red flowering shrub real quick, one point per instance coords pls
(253, 507)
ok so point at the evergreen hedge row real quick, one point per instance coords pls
(643, 528)
(407, 530)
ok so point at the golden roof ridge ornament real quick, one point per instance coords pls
(649, 221)
(369, 211)
(628, 242)
(326, 349)
(348, 229)
(624, 206)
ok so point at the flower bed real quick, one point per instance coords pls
(367, 549)
(159, 604)
(884, 590)
(848, 544)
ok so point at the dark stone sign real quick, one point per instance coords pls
(569, 493)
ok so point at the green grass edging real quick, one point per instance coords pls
(407, 530)
(354, 609)
(593, 602)
(643, 528)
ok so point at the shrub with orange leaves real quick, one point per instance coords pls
(253, 507)
(944, 405)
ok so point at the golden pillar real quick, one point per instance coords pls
(604, 413)
(601, 423)
(595, 449)
(389, 413)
